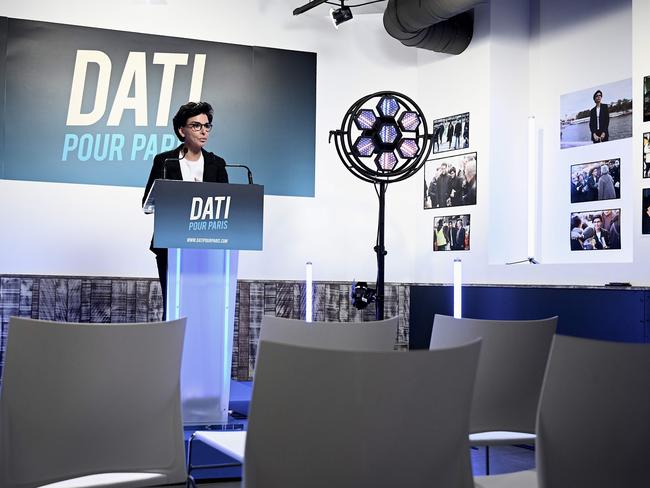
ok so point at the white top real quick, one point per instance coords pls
(598, 117)
(230, 442)
(191, 170)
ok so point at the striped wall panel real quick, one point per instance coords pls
(119, 300)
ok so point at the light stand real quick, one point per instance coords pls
(396, 139)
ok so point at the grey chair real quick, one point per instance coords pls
(511, 368)
(354, 336)
(378, 335)
(95, 403)
(322, 418)
(594, 419)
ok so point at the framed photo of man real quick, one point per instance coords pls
(597, 180)
(598, 114)
(646, 155)
(596, 230)
(451, 233)
(450, 181)
(645, 212)
(646, 98)
(450, 133)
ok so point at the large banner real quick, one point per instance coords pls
(85, 105)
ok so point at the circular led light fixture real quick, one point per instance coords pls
(383, 123)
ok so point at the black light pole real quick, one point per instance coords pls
(380, 249)
(395, 139)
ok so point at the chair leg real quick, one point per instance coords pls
(191, 482)
(189, 460)
(487, 460)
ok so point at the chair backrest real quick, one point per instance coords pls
(378, 335)
(82, 399)
(322, 418)
(511, 368)
(594, 415)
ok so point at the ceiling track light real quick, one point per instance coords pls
(340, 15)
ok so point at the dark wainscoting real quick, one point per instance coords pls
(103, 300)
(607, 313)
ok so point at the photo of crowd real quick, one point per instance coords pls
(645, 212)
(598, 180)
(646, 155)
(451, 233)
(450, 182)
(595, 115)
(596, 229)
(451, 133)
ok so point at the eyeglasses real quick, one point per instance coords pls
(197, 126)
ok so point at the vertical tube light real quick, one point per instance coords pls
(532, 187)
(308, 292)
(458, 290)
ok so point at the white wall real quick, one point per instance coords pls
(534, 54)
(502, 78)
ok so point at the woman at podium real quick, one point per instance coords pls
(188, 162)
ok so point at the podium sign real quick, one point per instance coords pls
(208, 215)
(203, 225)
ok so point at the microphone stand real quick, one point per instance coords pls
(183, 151)
(248, 170)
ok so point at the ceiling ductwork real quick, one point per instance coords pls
(444, 26)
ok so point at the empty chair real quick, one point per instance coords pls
(322, 418)
(514, 355)
(95, 402)
(593, 423)
(353, 336)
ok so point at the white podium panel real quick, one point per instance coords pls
(202, 286)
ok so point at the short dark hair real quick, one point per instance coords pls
(576, 221)
(189, 110)
(596, 93)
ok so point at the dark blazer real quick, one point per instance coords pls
(604, 121)
(458, 239)
(605, 235)
(214, 170)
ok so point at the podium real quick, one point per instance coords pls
(204, 225)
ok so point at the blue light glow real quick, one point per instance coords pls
(364, 146)
(365, 119)
(386, 161)
(409, 121)
(388, 133)
(408, 148)
(388, 106)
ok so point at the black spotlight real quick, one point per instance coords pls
(383, 139)
(340, 15)
(361, 295)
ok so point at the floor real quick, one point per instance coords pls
(503, 459)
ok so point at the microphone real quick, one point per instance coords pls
(183, 151)
(165, 166)
(250, 175)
